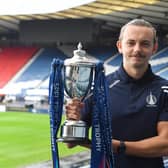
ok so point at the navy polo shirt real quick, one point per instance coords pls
(136, 106)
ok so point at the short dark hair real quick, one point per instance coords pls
(139, 22)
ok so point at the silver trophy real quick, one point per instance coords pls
(78, 81)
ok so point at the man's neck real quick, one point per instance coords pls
(137, 72)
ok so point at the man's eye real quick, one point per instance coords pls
(130, 43)
(146, 44)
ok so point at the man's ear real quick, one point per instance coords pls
(155, 48)
(119, 46)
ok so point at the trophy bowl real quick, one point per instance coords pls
(78, 81)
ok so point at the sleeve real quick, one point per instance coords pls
(163, 115)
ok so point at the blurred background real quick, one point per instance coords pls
(31, 35)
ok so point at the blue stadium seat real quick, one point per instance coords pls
(40, 68)
(164, 73)
(165, 162)
(161, 54)
(37, 72)
(102, 53)
(115, 60)
(159, 67)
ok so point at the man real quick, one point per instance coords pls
(138, 101)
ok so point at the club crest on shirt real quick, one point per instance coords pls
(151, 100)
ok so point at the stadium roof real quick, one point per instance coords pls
(111, 14)
(26, 7)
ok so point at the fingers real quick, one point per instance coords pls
(73, 112)
(73, 109)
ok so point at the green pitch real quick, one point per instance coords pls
(25, 139)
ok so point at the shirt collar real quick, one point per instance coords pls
(145, 78)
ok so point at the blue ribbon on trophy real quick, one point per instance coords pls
(56, 92)
(102, 153)
(75, 76)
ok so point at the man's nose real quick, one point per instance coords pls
(137, 47)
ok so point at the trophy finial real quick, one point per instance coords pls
(80, 57)
(79, 52)
(79, 46)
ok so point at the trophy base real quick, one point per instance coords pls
(74, 132)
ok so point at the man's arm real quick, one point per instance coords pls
(151, 147)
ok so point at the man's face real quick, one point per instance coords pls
(137, 45)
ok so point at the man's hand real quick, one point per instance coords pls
(73, 109)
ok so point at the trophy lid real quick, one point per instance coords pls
(80, 58)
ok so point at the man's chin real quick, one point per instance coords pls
(137, 64)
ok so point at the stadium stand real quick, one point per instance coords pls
(37, 71)
(115, 60)
(23, 89)
(165, 162)
(35, 77)
(161, 53)
(101, 52)
(161, 64)
(40, 68)
(12, 60)
(36, 74)
(112, 63)
(164, 73)
(32, 80)
(160, 60)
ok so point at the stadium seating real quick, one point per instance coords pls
(166, 162)
(40, 68)
(12, 60)
(159, 63)
(115, 60)
(35, 72)
(159, 67)
(161, 53)
(163, 73)
(102, 53)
